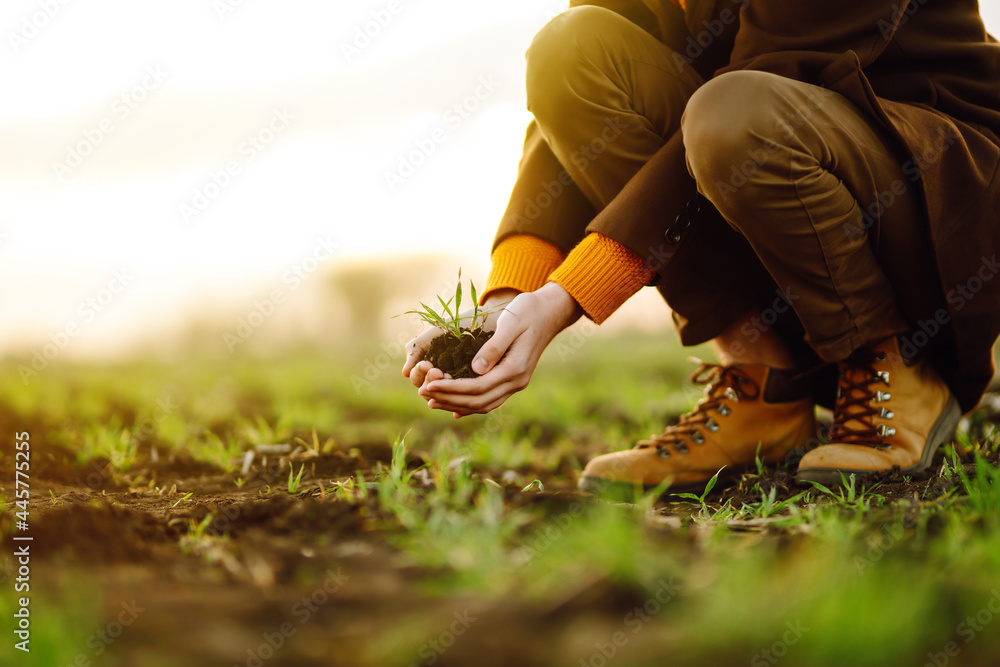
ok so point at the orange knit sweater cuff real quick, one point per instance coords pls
(602, 274)
(522, 262)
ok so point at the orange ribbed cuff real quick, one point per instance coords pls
(602, 274)
(522, 262)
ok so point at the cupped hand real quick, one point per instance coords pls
(420, 371)
(506, 362)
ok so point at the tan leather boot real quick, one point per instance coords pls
(743, 406)
(887, 414)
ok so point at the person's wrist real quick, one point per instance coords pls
(500, 297)
(560, 303)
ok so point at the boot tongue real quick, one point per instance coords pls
(735, 382)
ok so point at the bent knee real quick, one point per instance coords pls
(730, 120)
(557, 54)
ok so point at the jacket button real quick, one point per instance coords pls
(693, 206)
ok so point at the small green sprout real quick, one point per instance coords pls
(450, 318)
(294, 482)
(537, 484)
(708, 489)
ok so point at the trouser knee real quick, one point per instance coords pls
(733, 128)
(557, 63)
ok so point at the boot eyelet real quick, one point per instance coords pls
(731, 394)
(711, 426)
(886, 431)
(698, 438)
(883, 376)
(881, 357)
(882, 397)
(724, 410)
(663, 452)
(681, 447)
(886, 414)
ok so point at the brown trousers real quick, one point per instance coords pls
(819, 219)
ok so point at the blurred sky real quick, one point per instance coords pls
(203, 146)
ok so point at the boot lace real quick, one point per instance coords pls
(722, 382)
(857, 399)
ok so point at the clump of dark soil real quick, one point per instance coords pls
(454, 355)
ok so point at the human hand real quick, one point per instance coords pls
(418, 370)
(524, 329)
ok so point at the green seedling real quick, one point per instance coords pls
(294, 482)
(708, 489)
(759, 462)
(849, 495)
(537, 484)
(449, 319)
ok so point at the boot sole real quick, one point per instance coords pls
(624, 492)
(941, 432)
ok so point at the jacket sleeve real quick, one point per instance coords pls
(545, 201)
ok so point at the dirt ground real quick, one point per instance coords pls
(264, 580)
(260, 579)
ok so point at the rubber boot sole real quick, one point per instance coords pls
(940, 433)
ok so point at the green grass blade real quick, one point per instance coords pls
(475, 304)
(711, 484)
(820, 487)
